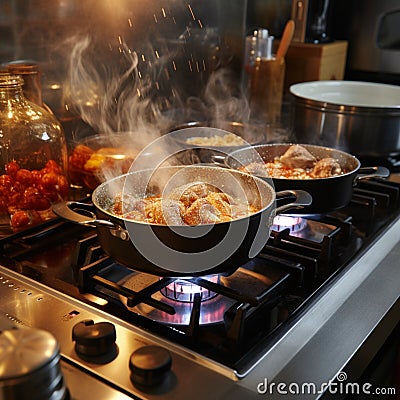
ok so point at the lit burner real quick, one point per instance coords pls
(183, 290)
(294, 223)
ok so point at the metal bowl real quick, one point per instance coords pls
(250, 133)
(231, 136)
(96, 157)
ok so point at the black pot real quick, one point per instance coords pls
(328, 194)
(182, 250)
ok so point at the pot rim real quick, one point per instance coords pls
(339, 109)
(359, 95)
(250, 133)
(308, 147)
(257, 180)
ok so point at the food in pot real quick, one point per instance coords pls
(191, 204)
(228, 139)
(86, 165)
(296, 163)
(326, 167)
(297, 156)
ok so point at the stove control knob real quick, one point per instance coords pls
(150, 365)
(94, 339)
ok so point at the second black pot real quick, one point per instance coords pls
(328, 194)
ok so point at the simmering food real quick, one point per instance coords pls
(226, 140)
(86, 164)
(191, 204)
(296, 163)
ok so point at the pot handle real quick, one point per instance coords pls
(371, 172)
(64, 210)
(302, 199)
(219, 160)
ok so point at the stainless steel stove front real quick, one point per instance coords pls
(25, 302)
(360, 303)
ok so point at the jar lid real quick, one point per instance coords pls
(24, 351)
(25, 67)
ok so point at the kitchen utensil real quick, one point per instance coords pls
(266, 89)
(165, 250)
(267, 81)
(286, 39)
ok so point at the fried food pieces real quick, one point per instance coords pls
(296, 163)
(191, 204)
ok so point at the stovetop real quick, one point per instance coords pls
(48, 283)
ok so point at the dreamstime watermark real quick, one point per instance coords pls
(339, 385)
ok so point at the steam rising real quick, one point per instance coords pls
(220, 94)
(150, 84)
(112, 97)
(120, 97)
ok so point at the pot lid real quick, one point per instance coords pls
(24, 350)
(349, 93)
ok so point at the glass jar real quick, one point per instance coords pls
(33, 159)
(30, 73)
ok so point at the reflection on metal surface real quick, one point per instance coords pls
(247, 281)
(315, 231)
(294, 223)
(184, 291)
(211, 312)
(299, 227)
(95, 299)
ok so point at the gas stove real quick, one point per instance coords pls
(325, 287)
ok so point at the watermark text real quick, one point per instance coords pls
(339, 385)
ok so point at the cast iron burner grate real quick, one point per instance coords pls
(279, 276)
(391, 161)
